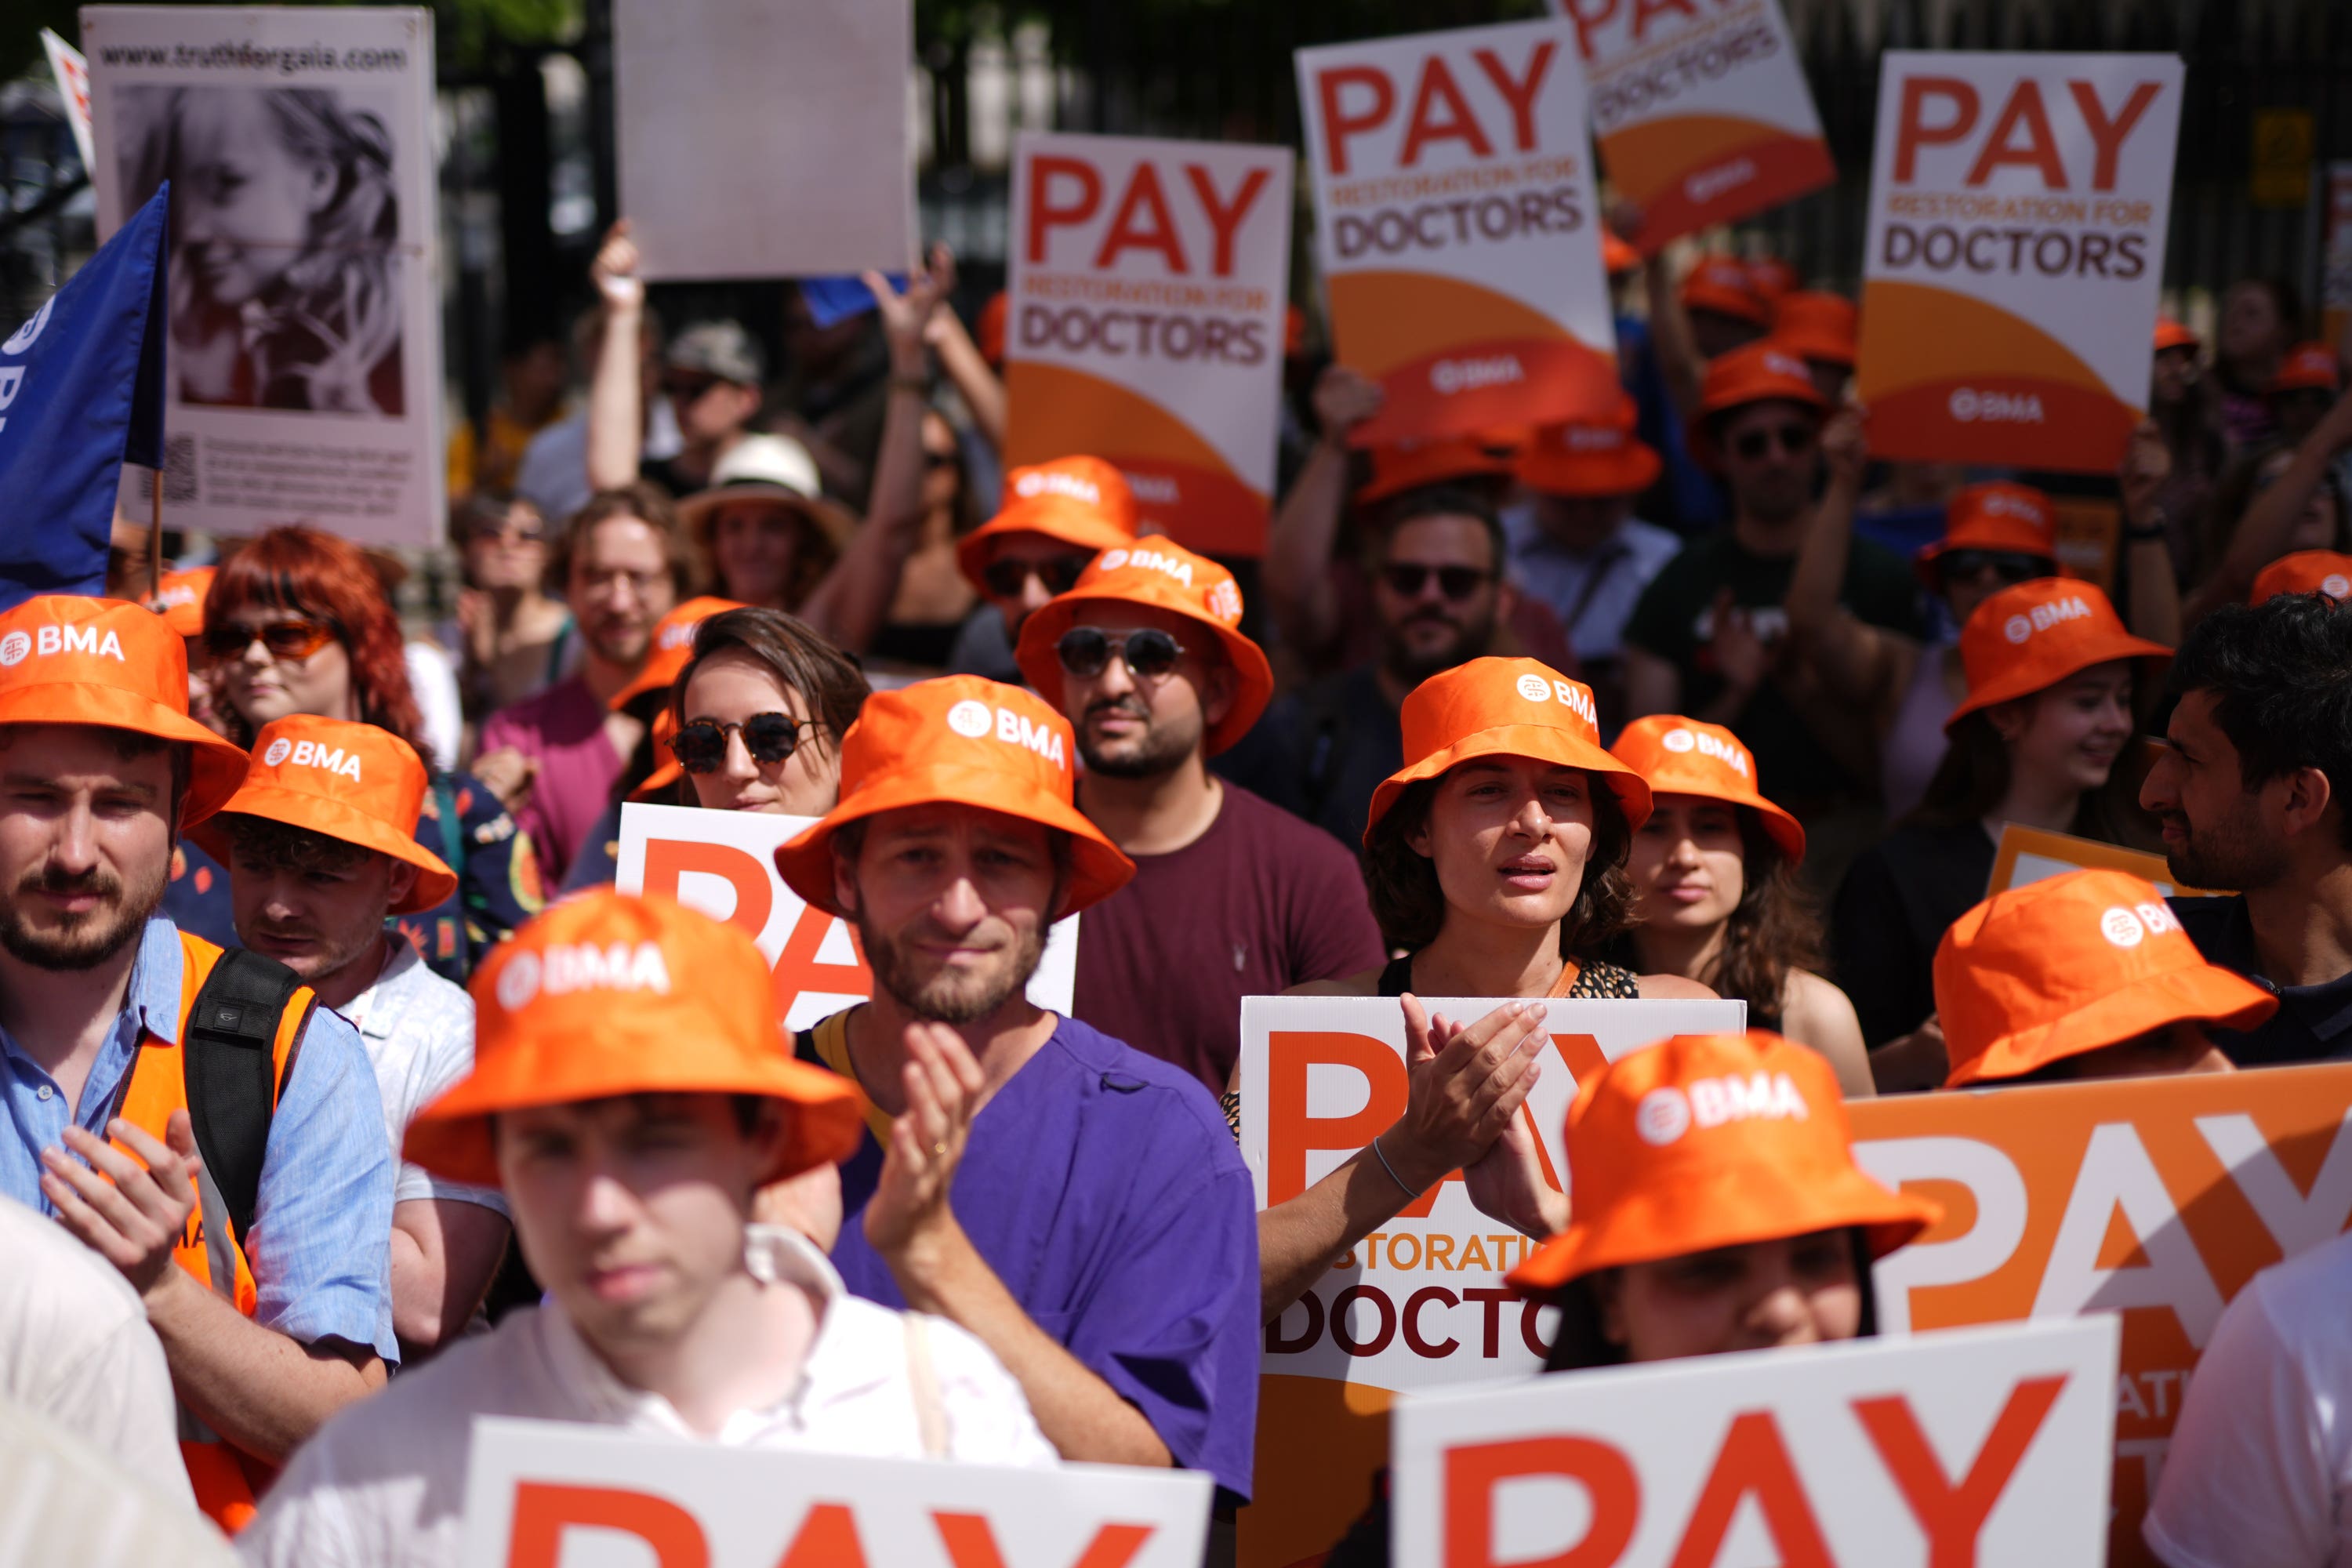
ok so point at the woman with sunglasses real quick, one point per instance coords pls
(1495, 858)
(1752, 1234)
(513, 637)
(2053, 687)
(1716, 892)
(758, 715)
(1996, 536)
(297, 623)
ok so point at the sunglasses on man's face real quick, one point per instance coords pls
(284, 640)
(687, 388)
(493, 530)
(1409, 579)
(1006, 579)
(1149, 653)
(700, 744)
(2012, 567)
(1754, 446)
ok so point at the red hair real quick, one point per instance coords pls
(300, 570)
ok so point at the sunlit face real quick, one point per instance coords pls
(2070, 735)
(263, 686)
(1438, 592)
(1770, 451)
(1510, 838)
(507, 552)
(630, 1210)
(708, 410)
(952, 903)
(728, 689)
(758, 546)
(1140, 727)
(242, 205)
(1763, 1295)
(2218, 834)
(621, 585)
(85, 842)
(1688, 863)
(318, 918)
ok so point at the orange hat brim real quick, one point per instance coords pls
(1055, 517)
(451, 1137)
(1543, 744)
(1724, 301)
(2024, 682)
(1040, 665)
(2007, 533)
(1787, 834)
(1630, 469)
(1098, 869)
(1738, 1203)
(2204, 994)
(323, 814)
(216, 768)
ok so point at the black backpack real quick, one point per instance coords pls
(231, 1078)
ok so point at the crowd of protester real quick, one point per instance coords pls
(1691, 698)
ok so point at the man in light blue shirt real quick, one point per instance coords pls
(266, 1331)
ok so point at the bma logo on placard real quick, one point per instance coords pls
(1969, 407)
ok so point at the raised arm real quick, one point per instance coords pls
(1306, 533)
(1679, 360)
(1852, 657)
(2152, 610)
(981, 388)
(617, 414)
(2261, 535)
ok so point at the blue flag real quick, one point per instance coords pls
(81, 393)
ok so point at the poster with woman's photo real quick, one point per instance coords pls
(304, 365)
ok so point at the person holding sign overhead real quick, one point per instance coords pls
(629, 1097)
(1707, 1222)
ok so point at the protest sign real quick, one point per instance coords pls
(1988, 1446)
(2154, 1198)
(1702, 114)
(1422, 1303)
(2031, 854)
(2018, 204)
(1458, 225)
(540, 1493)
(304, 377)
(755, 140)
(72, 71)
(1147, 287)
(724, 864)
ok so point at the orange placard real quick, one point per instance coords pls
(2030, 854)
(2155, 1198)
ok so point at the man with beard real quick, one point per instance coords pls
(553, 758)
(1055, 518)
(1706, 637)
(1103, 1240)
(270, 1321)
(1145, 659)
(2252, 790)
(321, 846)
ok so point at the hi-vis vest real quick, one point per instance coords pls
(226, 1480)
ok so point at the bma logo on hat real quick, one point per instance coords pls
(2336, 585)
(1059, 484)
(1784, 365)
(1678, 740)
(50, 639)
(2128, 927)
(1663, 1116)
(279, 749)
(1535, 687)
(1569, 695)
(1226, 601)
(1151, 559)
(14, 648)
(566, 967)
(972, 719)
(313, 754)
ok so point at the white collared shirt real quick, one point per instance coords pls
(418, 1029)
(383, 1484)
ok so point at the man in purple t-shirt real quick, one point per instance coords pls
(1102, 1239)
(1232, 897)
(553, 758)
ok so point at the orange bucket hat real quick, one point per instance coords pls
(958, 741)
(180, 600)
(1616, 255)
(1724, 286)
(2171, 334)
(1166, 576)
(988, 334)
(1711, 1141)
(2068, 964)
(1083, 502)
(2308, 367)
(357, 782)
(1774, 277)
(1598, 457)
(1818, 326)
(609, 993)
(2030, 638)
(673, 645)
(1439, 460)
(66, 659)
(1685, 756)
(2324, 571)
(2016, 518)
(1505, 708)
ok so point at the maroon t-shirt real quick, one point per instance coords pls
(1260, 902)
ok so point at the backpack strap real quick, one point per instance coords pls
(232, 1079)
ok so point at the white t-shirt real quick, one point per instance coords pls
(419, 1033)
(65, 1501)
(2260, 1469)
(75, 1347)
(382, 1485)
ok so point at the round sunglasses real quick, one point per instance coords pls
(700, 744)
(1149, 653)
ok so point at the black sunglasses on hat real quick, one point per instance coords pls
(700, 744)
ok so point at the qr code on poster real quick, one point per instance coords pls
(180, 468)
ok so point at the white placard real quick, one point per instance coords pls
(303, 379)
(540, 1494)
(724, 864)
(72, 71)
(1977, 1446)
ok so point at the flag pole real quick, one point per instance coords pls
(155, 533)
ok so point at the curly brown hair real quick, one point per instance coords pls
(1410, 907)
(1774, 930)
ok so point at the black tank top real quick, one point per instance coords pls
(1598, 978)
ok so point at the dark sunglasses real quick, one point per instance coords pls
(284, 640)
(490, 530)
(700, 744)
(2009, 566)
(1409, 579)
(1755, 445)
(1086, 652)
(687, 388)
(1006, 579)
